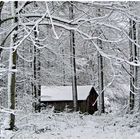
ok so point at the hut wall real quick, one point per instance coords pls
(62, 105)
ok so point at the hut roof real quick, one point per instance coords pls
(63, 93)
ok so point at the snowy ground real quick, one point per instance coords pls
(74, 125)
(47, 124)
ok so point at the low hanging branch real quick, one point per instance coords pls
(67, 25)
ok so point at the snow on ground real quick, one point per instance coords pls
(74, 125)
(47, 124)
(116, 123)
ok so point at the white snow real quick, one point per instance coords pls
(59, 93)
(81, 61)
(49, 125)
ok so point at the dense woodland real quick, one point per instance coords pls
(68, 43)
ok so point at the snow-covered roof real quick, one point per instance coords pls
(63, 93)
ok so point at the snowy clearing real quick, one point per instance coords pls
(74, 125)
(50, 55)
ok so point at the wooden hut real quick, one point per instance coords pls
(61, 98)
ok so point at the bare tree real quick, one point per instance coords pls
(138, 68)
(36, 69)
(72, 53)
(12, 67)
(133, 69)
(100, 70)
(1, 6)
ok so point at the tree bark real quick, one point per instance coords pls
(36, 74)
(138, 68)
(1, 6)
(133, 69)
(73, 63)
(36, 84)
(13, 74)
(62, 50)
(100, 71)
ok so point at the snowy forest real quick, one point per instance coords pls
(86, 54)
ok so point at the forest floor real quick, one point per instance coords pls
(64, 125)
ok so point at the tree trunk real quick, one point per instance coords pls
(12, 66)
(36, 73)
(100, 71)
(138, 69)
(133, 69)
(36, 84)
(38, 78)
(73, 64)
(62, 50)
(1, 6)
